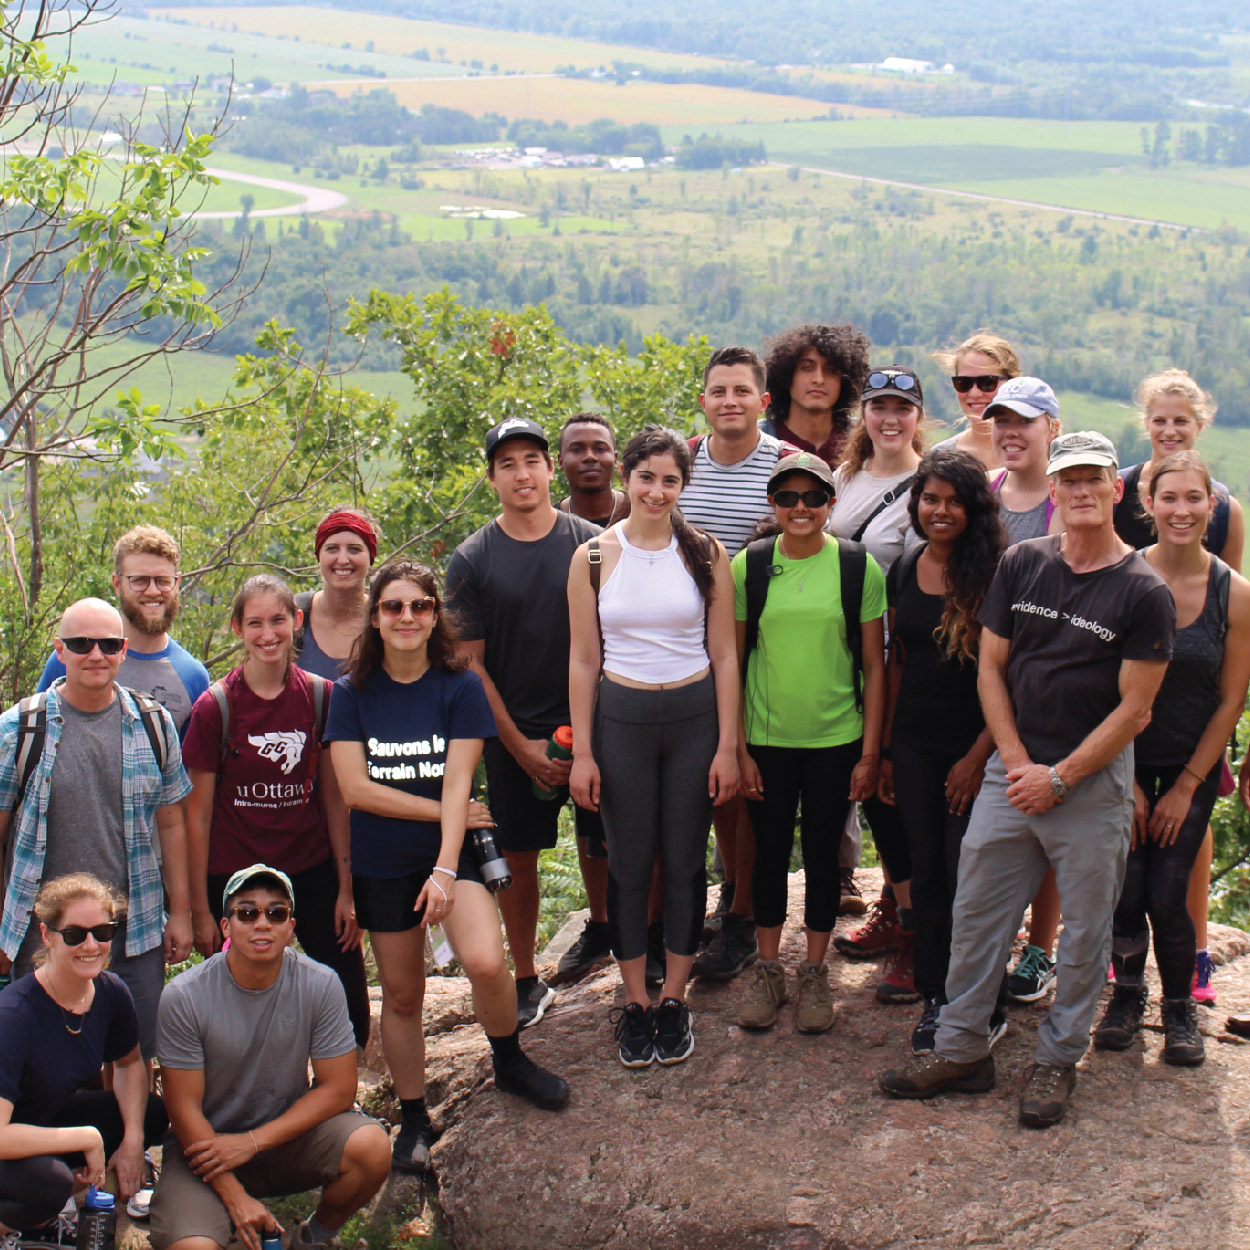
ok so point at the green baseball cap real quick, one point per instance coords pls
(246, 875)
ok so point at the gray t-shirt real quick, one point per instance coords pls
(252, 1045)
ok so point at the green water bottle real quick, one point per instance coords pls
(559, 747)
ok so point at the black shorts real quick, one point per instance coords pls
(385, 904)
(523, 821)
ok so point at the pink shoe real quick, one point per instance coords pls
(1203, 991)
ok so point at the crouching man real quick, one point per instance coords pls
(235, 1038)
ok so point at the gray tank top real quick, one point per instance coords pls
(1022, 525)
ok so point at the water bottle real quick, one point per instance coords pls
(490, 861)
(559, 747)
(271, 1241)
(97, 1221)
(6, 978)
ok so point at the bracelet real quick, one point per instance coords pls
(439, 888)
(451, 872)
(1198, 777)
(255, 1147)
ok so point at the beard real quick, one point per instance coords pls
(150, 626)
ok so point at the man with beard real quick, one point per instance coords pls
(145, 579)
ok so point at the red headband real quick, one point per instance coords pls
(336, 522)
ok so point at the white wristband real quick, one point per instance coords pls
(451, 872)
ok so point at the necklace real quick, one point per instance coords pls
(799, 573)
(617, 496)
(66, 1014)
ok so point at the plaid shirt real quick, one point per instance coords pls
(144, 789)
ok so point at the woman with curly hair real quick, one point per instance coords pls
(978, 366)
(937, 743)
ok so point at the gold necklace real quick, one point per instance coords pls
(66, 1014)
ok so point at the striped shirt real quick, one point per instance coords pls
(729, 500)
(144, 789)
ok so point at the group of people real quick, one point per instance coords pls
(800, 614)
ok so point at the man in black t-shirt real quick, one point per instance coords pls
(1077, 632)
(507, 584)
(588, 461)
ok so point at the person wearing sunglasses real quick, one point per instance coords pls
(238, 1035)
(407, 725)
(92, 802)
(58, 1026)
(805, 738)
(262, 792)
(978, 366)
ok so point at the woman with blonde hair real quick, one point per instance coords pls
(978, 366)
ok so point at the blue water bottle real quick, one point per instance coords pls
(271, 1241)
(97, 1221)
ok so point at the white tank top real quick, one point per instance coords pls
(652, 615)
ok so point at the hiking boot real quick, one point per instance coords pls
(1031, 977)
(731, 950)
(1182, 1042)
(410, 1152)
(765, 993)
(815, 1010)
(881, 933)
(674, 1038)
(1121, 1021)
(1047, 1090)
(898, 984)
(590, 950)
(635, 1034)
(930, 1074)
(657, 961)
(533, 997)
(924, 1034)
(850, 901)
(1203, 991)
(715, 918)
(521, 1076)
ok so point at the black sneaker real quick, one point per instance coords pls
(924, 1035)
(730, 951)
(533, 997)
(1182, 1042)
(591, 949)
(716, 917)
(998, 1025)
(410, 1152)
(657, 961)
(674, 1038)
(1121, 1022)
(635, 1034)
(521, 1076)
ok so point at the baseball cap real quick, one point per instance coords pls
(246, 875)
(894, 380)
(1082, 447)
(515, 427)
(1030, 397)
(801, 462)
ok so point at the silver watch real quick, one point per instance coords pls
(1057, 784)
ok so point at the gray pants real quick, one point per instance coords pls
(1001, 865)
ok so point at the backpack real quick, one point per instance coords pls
(32, 732)
(853, 566)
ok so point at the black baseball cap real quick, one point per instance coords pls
(894, 380)
(515, 427)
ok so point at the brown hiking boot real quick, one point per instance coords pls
(815, 1011)
(850, 900)
(1047, 1090)
(765, 993)
(930, 1074)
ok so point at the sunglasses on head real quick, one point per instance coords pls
(76, 934)
(812, 498)
(896, 378)
(84, 646)
(393, 609)
(987, 382)
(248, 913)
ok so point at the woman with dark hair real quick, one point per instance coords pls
(259, 795)
(407, 724)
(937, 743)
(1178, 759)
(653, 693)
(58, 1026)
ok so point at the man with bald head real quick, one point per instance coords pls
(91, 804)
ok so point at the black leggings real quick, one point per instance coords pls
(934, 837)
(1156, 884)
(821, 777)
(316, 890)
(33, 1191)
(888, 837)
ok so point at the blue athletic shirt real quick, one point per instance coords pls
(405, 729)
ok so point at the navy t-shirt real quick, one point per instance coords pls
(41, 1062)
(405, 729)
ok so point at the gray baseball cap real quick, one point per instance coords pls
(1082, 447)
(1030, 397)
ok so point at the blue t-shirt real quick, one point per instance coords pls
(172, 676)
(405, 729)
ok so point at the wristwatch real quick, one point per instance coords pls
(1057, 784)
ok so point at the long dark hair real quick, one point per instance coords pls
(977, 550)
(367, 654)
(697, 548)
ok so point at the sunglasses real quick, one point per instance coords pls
(894, 378)
(76, 934)
(275, 913)
(141, 581)
(812, 498)
(988, 383)
(393, 609)
(84, 646)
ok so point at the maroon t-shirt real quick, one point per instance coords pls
(262, 812)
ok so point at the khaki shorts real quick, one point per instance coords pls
(185, 1206)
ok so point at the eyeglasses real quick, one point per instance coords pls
(76, 934)
(141, 581)
(393, 609)
(85, 646)
(812, 498)
(275, 913)
(985, 382)
(894, 378)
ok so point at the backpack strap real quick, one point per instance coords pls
(759, 569)
(319, 694)
(32, 732)
(853, 568)
(594, 558)
(153, 724)
(693, 442)
(1224, 579)
(895, 492)
(1217, 533)
(221, 696)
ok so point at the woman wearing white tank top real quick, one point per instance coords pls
(653, 695)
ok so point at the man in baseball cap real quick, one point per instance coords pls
(1084, 447)
(515, 427)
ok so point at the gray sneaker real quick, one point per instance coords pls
(815, 1010)
(765, 993)
(1047, 1092)
(590, 950)
(731, 950)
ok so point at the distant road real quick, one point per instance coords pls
(312, 199)
(388, 82)
(993, 199)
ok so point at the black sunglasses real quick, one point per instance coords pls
(894, 378)
(76, 934)
(275, 913)
(987, 382)
(812, 498)
(84, 646)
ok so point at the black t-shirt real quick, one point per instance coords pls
(515, 596)
(1069, 632)
(41, 1062)
(938, 709)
